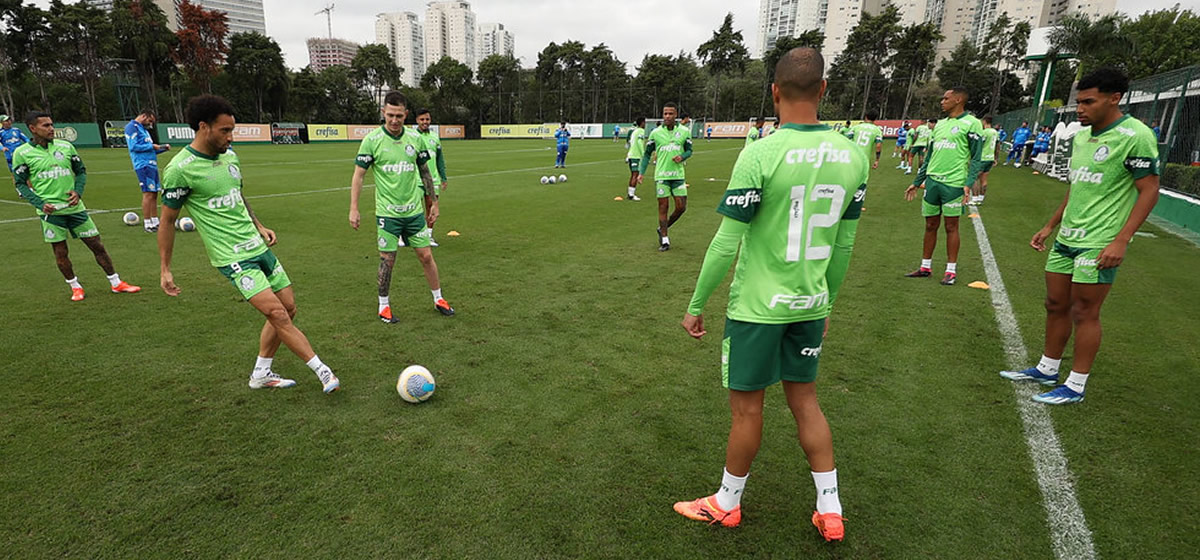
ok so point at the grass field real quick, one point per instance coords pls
(571, 409)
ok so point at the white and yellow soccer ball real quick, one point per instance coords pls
(562, 178)
(131, 219)
(185, 224)
(415, 384)
(545, 180)
(552, 179)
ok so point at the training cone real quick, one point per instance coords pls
(618, 198)
(972, 215)
(453, 233)
(979, 284)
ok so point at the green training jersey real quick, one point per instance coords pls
(211, 190)
(865, 135)
(919, 137)
(954, 151)
(433, 152)
(795, 188)
(990, 136)
(399, 192)
(1104, 165)
(50, 172)
(668, 143)
(752, 135)
(637, 143)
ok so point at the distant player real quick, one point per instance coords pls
(616, 132)
(406, 206)
(637, 146)
(205, 177)
(10, 139)
(795, 219)
(949, 171)
(987, 158)
(767, 129)
(1019, 137)
(708, 134)
(144, 154)
(919, 143)
(686, 122)
(1157, 131)
(901, 141)
(868, 137)
(755, 131)
(562, 141)
(433, 153)
(50, 176)
(1114, 186)
(1001, 136)
(673, 144)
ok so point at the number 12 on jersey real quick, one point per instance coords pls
(798, 234)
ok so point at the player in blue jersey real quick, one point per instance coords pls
(616, 132)
(144, 154)
(10, 139)
(1157, 131)
(901, 140)
(1042, 144)
(1019, 137)
(708, 134)
(562, 140)
(1001, 136)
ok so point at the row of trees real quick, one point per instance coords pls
(74, 59)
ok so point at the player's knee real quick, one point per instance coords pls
(951, 226)
(425, 257)
(278, 316)
(1083, 310)
(931, 226)
(1056, 306)
(291, 310)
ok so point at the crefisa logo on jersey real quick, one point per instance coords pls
(1101, 154)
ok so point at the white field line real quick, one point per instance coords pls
(1069, 532)
(1175, 230)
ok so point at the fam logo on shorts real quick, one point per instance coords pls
(1101, 154)
(235, 172)
(247, 283)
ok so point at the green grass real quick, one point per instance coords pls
(571, 408)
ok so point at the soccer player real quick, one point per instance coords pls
(673, 143)
(767, 130)
(686, 122)
(616, 132)
(755, 131)
(205, 177)
(405, 203)
(793, 206)
(50, 176)
(919, 142)
(637, 146)
(1157, 131)
(901, 139)
(708, 134)
(562, 138)
(868, 137)
(948, 172)
(144, 154)
(433, 152)
(1019, 137)
(1114, 186)
(10, 139)
(987, 158)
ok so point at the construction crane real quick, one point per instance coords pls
(328, 11)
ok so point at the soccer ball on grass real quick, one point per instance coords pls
(545, 180)
(185, 224)
(562, 178)
(552, 179)
(131, 219)
(415, 384)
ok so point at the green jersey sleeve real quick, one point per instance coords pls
(744, 193)
(174, 186)
(1142, 159)
(366, 153)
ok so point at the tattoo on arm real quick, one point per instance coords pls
(426, 177)
(250, 211)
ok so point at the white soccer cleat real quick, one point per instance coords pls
(329, 381)
(634, 198)
(271, 380)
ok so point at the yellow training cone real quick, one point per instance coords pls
(618, 198)
(978, 284)
(972, 215)
(453, 233)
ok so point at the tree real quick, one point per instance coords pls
(200, 47)
(499, 74)
(1006, 41)
(454, 94)
(373, 67)
(1163, 41)
(1093, 43)
(967, 67)
(35, 47)
(916, 48)
(723, 54)
(142, 35)
(257, 62)
(872, 42)
(812, 38)
(84, 35)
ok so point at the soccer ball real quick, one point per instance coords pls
(185, 224)
(131, 219)
(562, 178)
(552, 179)
(545, 180)
(415, 384)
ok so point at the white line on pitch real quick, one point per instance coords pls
(1069, 532)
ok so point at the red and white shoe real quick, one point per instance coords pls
(126, 288)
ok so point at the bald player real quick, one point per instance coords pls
(792, 206)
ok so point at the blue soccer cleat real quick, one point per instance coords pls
(1031, 374)
(1059, 395)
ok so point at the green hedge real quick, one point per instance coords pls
(1182, 178)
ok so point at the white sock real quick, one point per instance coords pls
(114, 280)
(666, 240)
(827, 492)
(437, 294)
(631, 190)
(316, 364)
(154, 221)
(262, 366)
(730, 493)
(383, 302)
(1049, 366)
(74, 282)
(952, 268)
(927, 263)
(148, 222)
(1076, 381)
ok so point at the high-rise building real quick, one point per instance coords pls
(790, 18)
(450, 31)
(243, 15)
(167, 6)
(404, 37)
(323, 53)
(492, 38)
